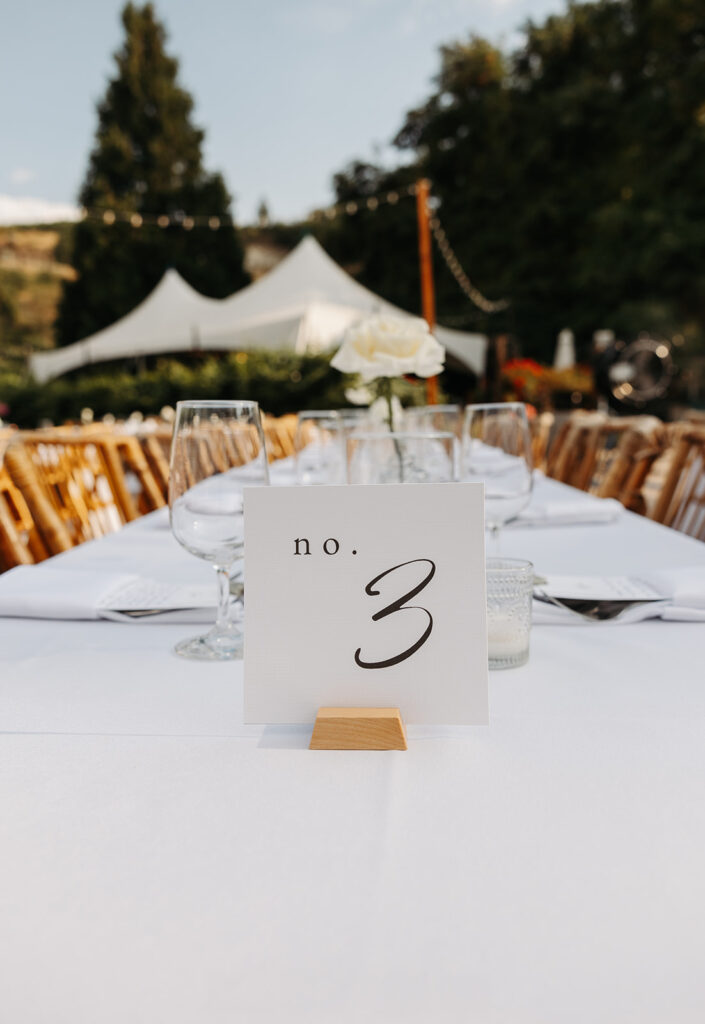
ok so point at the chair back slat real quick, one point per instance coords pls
(633, 460)
(681, 502)
(132, 478)
(158, 462)
(574, 451)
(72, 467)
(20, 466)
(12, 549)
(541, 427)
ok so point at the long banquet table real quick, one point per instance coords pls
(163, 863)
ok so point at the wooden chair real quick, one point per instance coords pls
(53, 534)
(572, 455)
(75, 477)
(681, 503)
(589, 443)
(279, 434)
(20, 541)
(13, 550)
(157, 456)
(542, 427)
(634, 458)
(606, 448)
(100, 479)
(132, 480)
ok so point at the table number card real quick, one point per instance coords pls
(366, 596)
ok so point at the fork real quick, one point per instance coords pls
(595, 611)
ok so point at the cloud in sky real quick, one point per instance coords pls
(21, 175)
(24, 210)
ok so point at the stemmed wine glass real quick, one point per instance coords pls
(217, 450)
(496, 449)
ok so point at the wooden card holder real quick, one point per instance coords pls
(358, 729)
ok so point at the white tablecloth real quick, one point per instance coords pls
(161, 862)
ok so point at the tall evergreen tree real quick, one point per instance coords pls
(147, 160)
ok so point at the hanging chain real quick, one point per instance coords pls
(466, 285)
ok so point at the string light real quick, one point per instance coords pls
(466, 285)
(188, 222)
(162, 220)
(349, 208)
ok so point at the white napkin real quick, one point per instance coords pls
(683, 591)
(584, 510)
(48, 592)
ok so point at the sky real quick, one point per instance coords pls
(288, 91)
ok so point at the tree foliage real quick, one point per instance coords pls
(374, 244)
(146, 159)
(568, 175)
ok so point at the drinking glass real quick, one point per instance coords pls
(320, 448)
(354, 418)
(446, 418)
(401, 458)
(217, 451)
(496, 449)
(434, 417)
(510, 583)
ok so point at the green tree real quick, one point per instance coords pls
(568, 175)
(462, 137)
(615, 91)
(146, 160)
(363, 241)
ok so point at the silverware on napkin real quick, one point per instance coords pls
(594, 610)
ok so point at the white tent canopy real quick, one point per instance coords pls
(166, 321)
(303, 305)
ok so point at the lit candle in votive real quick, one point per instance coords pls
(509, 587)
(506, 638)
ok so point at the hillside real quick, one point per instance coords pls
(33, 265)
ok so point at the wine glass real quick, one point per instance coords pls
(320, 448)
(401, 458)
(217, 450)
(496, 450)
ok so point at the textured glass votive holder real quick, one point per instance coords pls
(510, 583)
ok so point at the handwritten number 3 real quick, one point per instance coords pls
(399, 605)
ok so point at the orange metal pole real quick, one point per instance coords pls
(428, 298)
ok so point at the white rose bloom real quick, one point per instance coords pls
(389, 346)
